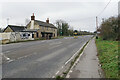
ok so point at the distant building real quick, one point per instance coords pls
(34, 29)
(14, 28)
(41, 29)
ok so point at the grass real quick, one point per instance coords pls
(108, 56)
(58, 77)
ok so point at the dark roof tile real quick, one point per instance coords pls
(41, 23)
(16, 28)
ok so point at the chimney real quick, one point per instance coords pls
(47, 21)
(32, 21)
(33, 17)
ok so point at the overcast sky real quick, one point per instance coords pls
(80, 14)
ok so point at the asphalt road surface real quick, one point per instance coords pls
(39, 59)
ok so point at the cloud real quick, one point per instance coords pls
(77, 14)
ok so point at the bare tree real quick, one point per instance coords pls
(109, 28)
(27, 21)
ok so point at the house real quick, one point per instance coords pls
(14, 28)
(41, 29)
(16, 33)
(34, 29)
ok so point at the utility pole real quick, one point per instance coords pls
(7, 21)
(96, 27)
(96, 23)
(102, 19)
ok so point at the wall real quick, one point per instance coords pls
(15, 36)
(8, 29)
(36, 26)
(48, 29)
(5, 35)
(42, 29)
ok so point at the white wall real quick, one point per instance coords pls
(5, 35)
(16, 36)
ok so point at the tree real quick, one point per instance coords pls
(70, 31)
(62, 28)
(27, 21)
(109, 28)
(65, 27)
(59, 26)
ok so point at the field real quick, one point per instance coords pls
(108, 56)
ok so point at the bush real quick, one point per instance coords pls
(109, 29)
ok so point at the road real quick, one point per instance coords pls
(39, 59)
(88, 65)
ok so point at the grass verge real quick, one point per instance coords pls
(108, 56)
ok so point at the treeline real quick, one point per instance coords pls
(64, 29)
(109, 28)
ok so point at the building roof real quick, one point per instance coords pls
(15, 28)
(41, 23)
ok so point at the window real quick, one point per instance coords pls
(24, 35)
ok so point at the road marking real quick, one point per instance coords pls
(54, 46)
(42, 41)
(53, 77)
(6, 52)
(74, 55)
(55, 43)
(68, 75)
(7, 58)
(10, 61)
(70, 70)
(57, 72)
(26, 56)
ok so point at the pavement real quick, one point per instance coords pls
(88, 65)
(39, 59)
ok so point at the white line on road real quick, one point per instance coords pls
(57, 72)
(54, 46)
(74, 55)
(55, 43)
(42, 41)
(26, 56)
(70, 70)
(7, 58)
(68, 75)
(53, 77)
(11, 60)
(6, 52)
